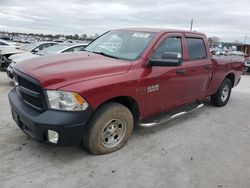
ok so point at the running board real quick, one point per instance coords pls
(163, 118)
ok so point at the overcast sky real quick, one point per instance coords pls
(227, 19)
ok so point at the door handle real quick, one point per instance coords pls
(181, 71)
(208, 66)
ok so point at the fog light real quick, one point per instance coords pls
(53, 136)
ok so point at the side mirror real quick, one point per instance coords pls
(35, 50)
(168, 59)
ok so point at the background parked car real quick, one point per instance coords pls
(7, 44)
(28, 48)
(237, 53)
(60, 48)
(247, 66)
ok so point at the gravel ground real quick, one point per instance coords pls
(206, 148)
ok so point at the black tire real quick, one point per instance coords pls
(94, 139)
(248, 70)
(2, 68)
(217, 99)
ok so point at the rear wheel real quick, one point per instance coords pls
(109, 129)
(221, 97)
(245, 70)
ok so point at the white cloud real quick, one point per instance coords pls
(227, 19)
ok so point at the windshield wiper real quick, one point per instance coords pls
(104, 54)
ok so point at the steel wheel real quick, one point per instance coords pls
(245, 70)
(225, 93)
(113, 132)
(108, 129)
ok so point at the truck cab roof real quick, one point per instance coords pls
(159, 30)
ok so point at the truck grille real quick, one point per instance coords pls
(29, 90)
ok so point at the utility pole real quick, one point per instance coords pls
(73, 25)
(191, 26)
(245, 39)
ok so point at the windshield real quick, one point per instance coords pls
(127, 45)
(51, 50)
(28, 47)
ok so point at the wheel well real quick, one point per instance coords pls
(130, 103)
(231, 77)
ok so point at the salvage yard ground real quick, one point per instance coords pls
(207, 148)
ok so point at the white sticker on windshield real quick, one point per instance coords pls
(142, 35)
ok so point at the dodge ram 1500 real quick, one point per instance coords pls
(125, 77)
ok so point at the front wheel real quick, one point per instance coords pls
(245, 70)
(221, 97)
(109, 129)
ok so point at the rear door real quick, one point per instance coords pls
(198, 67)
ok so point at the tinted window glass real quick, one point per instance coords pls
(29, 47)
(69, 50)
(46, 45)
(76, 49)
(79, 48)
(172, 45)
(196, 48)
(52, 49)
(43, 46)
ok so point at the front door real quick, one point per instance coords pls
(165, 85)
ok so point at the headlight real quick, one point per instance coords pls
(63, 100)
(12, 65)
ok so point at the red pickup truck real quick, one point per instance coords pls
(125, 77)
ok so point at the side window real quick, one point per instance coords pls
(69, 50)
(37, 49)
(40, 47)
(196, 49)
(171, 45)
(75, 49)
(78, 48)
(46, 45)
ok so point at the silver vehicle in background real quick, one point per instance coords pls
(60, 48)
(247, 66)
(28, 48)
(7, 44)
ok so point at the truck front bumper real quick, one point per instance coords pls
(68, 125)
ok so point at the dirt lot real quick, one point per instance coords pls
(207, 148)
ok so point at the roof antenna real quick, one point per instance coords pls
(245, 39)
(191, 26)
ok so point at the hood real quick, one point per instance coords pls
(8, 47)
(24, 54)
(56, 71)
(10, 50)
(24, 57)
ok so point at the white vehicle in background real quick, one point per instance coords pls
(247, 66)
(7, 44)
(60, 48)
(237, 53)
(28, 48)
